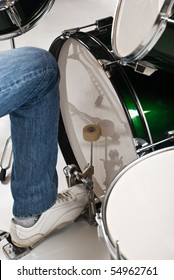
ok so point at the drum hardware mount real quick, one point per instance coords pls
(141, 67)
(6, 4)
(73, 176)
(100, 24)
(9, 7)
(103, 63)
(144, 67)
(166, 19)
(147, 147)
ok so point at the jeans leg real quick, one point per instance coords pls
(29, 93)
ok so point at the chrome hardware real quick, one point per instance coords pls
(69, 171)
(170, 20)
(15, 18)
(6, 4)
(11, 251)
(99, 222)
(9, 7)
(117, 249)
(141, 67)
(99, 24)
(140, 144)
(145, 68)
(170, 137)
(73, 176)
(71, 31)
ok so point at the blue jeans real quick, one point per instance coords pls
(29, 94)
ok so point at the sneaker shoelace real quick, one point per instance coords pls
(64, 196)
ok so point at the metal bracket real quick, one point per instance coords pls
(99, 24)
(9, 7)
(141, 67)
(145, 68)
(6, 4)
(73, 175)
(170, 137)
(11, 251)
(15, 18)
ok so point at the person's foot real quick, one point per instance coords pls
(67, 208)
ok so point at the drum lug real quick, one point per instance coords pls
(105, 64)
(6, 4)
(67, 33)
(15, 18)
(145, 68)
(71, 31)
(141, 67)
(170, 137)
(140, 143)
(9, 7)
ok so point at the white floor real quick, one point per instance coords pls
(63, 245)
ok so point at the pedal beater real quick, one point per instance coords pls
(91, 133)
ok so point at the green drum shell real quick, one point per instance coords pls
(153, 93)
(162, 55)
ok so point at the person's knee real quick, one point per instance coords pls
(36, 58)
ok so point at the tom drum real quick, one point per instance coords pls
(143, 30)
(17, 17)
(138, 209)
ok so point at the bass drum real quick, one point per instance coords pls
(17, 17)
(90, 95)
(138, 209)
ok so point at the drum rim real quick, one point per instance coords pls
(105, 229)
(82, 39)
(34, 22)
(149, 42)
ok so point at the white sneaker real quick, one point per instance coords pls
(67, 208)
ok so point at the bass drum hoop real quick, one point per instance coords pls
(43, 10)
(55, 49)
(67, 144)
(150, 39)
